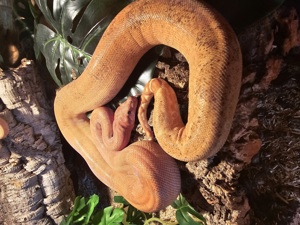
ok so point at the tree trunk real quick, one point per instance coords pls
(35, 185)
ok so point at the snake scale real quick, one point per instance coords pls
(142, 172)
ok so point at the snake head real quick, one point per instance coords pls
(125, 113)
(112, 130)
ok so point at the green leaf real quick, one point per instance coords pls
(184, 212)
(109, 216)
(82, 210)
(60, 55)
(121, 200)
(133, 215)
(90, 207)
(78, 205)
(74, 30)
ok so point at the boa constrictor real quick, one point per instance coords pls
(142, 172)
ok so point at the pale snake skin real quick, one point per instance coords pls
(213, 53)
(4, 128)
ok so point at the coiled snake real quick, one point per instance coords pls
(142, 172)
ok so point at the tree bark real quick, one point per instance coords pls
(35, 185)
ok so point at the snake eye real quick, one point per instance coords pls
(129, 112)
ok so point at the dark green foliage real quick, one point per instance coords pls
(185, 212)
(74, 28)
(84, 213)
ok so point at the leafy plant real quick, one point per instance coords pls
(74, 29)
(84, 213)
(133, 215)
(71, 34)
(185, 213)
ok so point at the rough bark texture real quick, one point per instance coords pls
(35, 185)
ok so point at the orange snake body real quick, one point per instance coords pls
(4, 128)
(213, 54)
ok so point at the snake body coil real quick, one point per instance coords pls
(213, 54)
